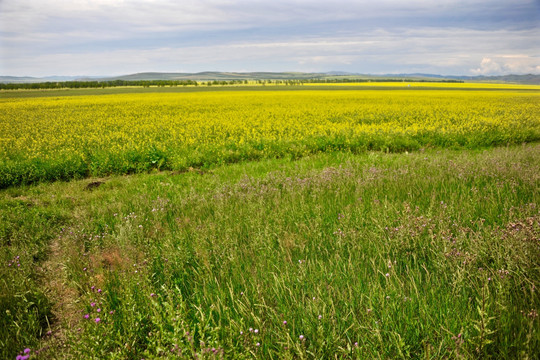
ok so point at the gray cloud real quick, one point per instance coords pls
(102, 37)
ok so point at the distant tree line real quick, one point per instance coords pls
(162, 83)
(226, 82)
(95, 84)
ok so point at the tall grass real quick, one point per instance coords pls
(427, 255)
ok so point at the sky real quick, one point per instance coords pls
(116, 37)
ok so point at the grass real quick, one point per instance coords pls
(13, 94)
(430, 254)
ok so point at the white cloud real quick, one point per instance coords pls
(488, 67)
(326, 60)
(505, 64)
(101, 37)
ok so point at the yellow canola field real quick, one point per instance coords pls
(427, 84)
(121, 133)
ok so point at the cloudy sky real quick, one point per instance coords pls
(114, 37)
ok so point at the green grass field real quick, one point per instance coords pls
(426, 253)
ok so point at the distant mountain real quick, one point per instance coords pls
(529, 79)
(19, 79)
(214, 75)
(341, 73)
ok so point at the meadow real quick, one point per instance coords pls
(269, 224)
(61, 138)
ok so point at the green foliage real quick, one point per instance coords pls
(26, 229)
(335, 242)
(432, 254)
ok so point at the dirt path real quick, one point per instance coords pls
(63, 295)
